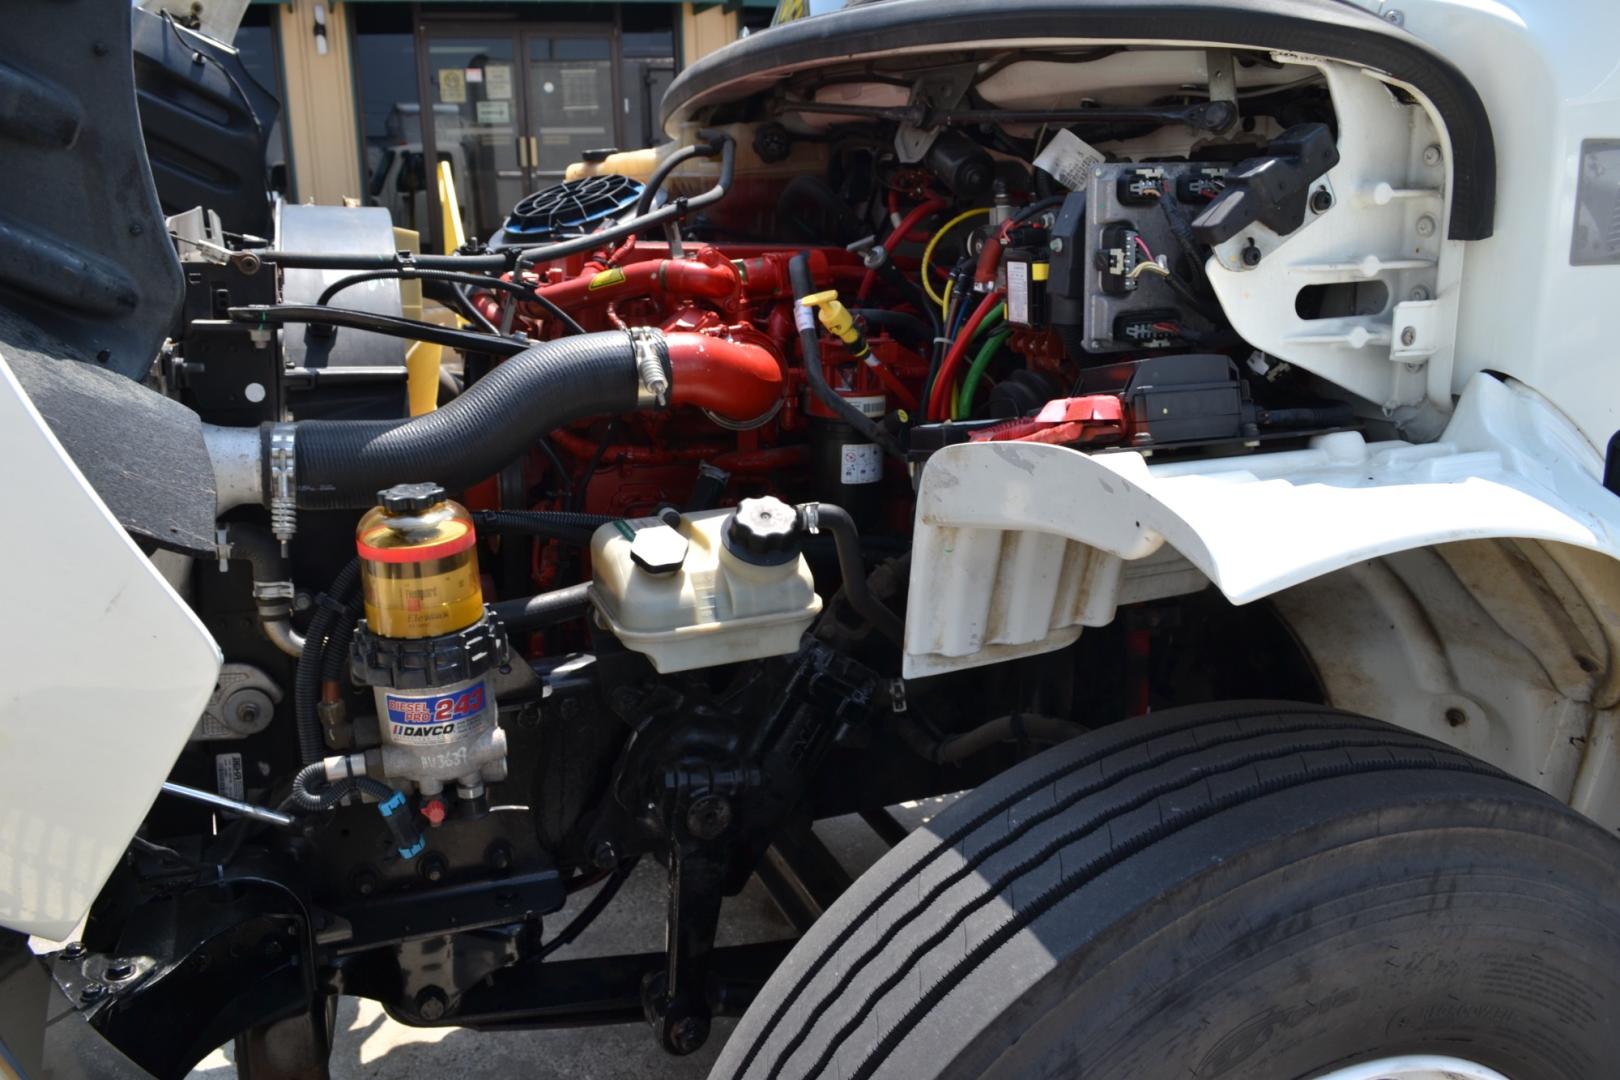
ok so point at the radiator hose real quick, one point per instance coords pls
(343, 463)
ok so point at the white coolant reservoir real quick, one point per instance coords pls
(709, 588)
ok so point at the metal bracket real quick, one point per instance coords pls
(934, 92)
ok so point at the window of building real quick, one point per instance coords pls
(390, 111)
(647, 50)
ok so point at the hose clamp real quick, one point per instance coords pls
(283, 483)
(652, 377)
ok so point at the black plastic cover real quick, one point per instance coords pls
(143, 453)
(84, 255)
(207, 124)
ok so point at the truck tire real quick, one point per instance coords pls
(1250, 889)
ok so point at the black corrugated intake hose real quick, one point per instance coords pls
(344, 463)
(312, 792)
(547, 609)
(545, 525)
(804, 284)
(307, 677)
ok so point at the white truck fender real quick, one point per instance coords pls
(103, 673)
(1019, 546)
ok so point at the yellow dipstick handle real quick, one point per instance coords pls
(837, 319)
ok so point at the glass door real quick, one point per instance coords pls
(573, 99)
(475, 89)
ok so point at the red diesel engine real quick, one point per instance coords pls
(751, 426)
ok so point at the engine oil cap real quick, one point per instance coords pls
(763, 531)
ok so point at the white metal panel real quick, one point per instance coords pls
(1548, 76)
(1507, 465)
(103, 673)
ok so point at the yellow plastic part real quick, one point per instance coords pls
(837, 319)
(421, 358)
(424, 593)
(453, 234)
(833, 315)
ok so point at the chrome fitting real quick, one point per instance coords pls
(650, 371)
(283, 484)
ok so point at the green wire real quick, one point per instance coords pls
(970, 383)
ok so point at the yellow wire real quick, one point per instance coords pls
(928, 252)
(945, 301)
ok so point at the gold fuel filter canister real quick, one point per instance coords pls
(418, 564)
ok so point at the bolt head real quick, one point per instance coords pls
(708, 816)
(364, 882)
(1321, 200)
(1431, 155)
(92, 992)
(431, 1004)
(1425, 225)
(1418, 292)
(1395, 17)
(1251, 254)
(1056, 243)
(1408, 335)
(606, 856)
(434, 867)
(120, 970)
(73, 950)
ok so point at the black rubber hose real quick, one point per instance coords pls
(477, 281)
(344, 463)
(254, 545)
(810, 343)
(590, 911)
(907, 327)
(847, 539)
(335, 660)
(411, 329)
(548, 609)
(655, 182)
(456, 296)
(307, 676)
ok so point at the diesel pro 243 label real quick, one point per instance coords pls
(444, 717)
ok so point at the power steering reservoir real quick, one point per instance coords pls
(427, 645)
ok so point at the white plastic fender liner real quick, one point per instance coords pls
(1020, 545)
(103, 673)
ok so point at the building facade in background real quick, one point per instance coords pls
(375, 92)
